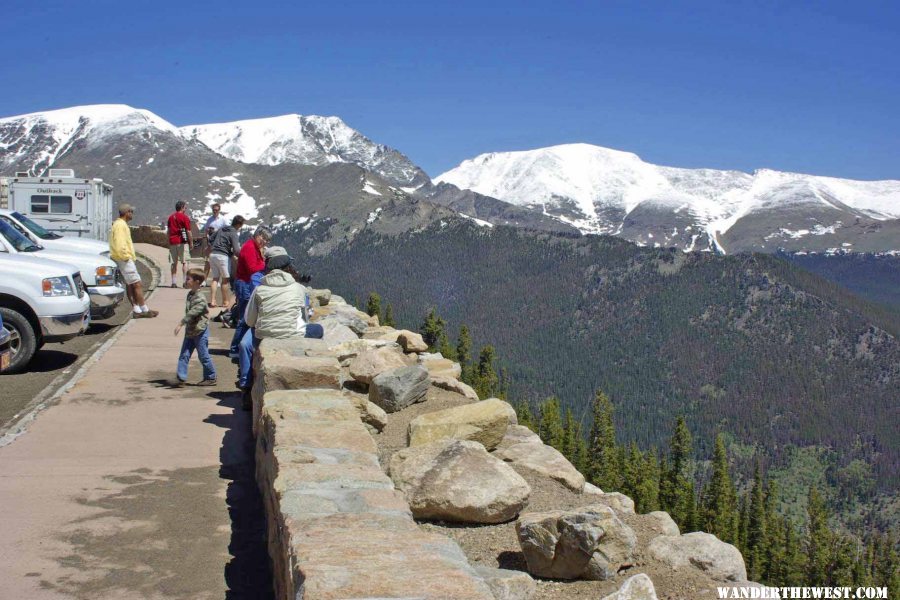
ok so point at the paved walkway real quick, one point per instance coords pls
(130, 489)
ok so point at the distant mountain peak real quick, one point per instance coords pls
(602, 190)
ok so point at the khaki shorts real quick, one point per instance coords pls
(129, 271)
(219, 266)
(176, 253)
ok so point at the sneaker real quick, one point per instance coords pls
(174, 285)
(177, 383)
(140, 315)
(207, 382)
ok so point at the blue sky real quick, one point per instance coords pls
(801, 86)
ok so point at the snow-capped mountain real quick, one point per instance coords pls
(600, 190)
(308, 140)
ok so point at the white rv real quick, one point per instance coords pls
(61, 202)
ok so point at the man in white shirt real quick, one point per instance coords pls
(216, 221)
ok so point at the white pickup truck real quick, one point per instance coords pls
(41, 301)
(46, 238)
(99, 271)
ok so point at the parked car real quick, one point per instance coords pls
(41, 301)
(46, 238)
(99, 271)
(5, 352)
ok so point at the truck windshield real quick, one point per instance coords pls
(35, 228)
(16, 239)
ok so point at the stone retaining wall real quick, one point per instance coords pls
(337, 527)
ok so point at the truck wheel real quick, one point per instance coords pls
(22, 344)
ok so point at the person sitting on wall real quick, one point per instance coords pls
(250, 262)
(278, 308)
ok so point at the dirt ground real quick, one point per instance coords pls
(497, 546)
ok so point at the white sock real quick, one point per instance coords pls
(136, 309)
(145, 308)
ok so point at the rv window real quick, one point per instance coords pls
(40, 204)
(51, 204)
(60, 204)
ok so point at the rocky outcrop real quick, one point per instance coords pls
(398, 388)
(704, 551)
(320, 297)
(660, 522)
(527, 452)
(455, 480)
(370, 363)
(639, 587)
(454, 385)
(506, 584)
(336, 333)
(616, 501)
(484, 422)
(438, 366)
(411, 342)
(347, 351)
(371, 415)
(587, 543)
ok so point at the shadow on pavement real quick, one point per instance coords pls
(248, 574)
(51, 360)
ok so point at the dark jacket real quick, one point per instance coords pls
(225, 241)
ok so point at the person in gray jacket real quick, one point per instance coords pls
(279, 309)
(225, 246)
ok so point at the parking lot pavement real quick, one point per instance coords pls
(54, 364)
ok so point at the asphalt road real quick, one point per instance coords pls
(54, 364)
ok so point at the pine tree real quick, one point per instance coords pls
(373, 305)
(581, 451)
(603, 453)
(432, 330)
(773, 551)
(389, 316)
(677, 495)
(464, 353)
(720, 502)
(550, 428)
(445, 348)
(486, 382)
(756, 528)
(570, 436)
(633, 476)
(818, 539)
(649, 491)
(524, 416)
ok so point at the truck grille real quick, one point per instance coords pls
(79, 285)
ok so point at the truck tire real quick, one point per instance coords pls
(23, 343)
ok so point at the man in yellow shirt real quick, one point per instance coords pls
(121, 250)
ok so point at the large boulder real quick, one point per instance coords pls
(381, 332)
(367, 365)
(639, 587)
(455, 480)
(398, 388)
(411, 341)
(452, 384)
(617, 501)
(662, 523)
(344, 314)
(335, 333)
(704, 551)
(544, 460)
(372, 415)
(347, 351)
(506, 584)
(586, 543)
(519, 434)
(438, 366)
(322, 297)
(484, 422)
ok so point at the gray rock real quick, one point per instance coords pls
(518, 434)
(662, 523)
(454, 385)
(543, 460)
(617, 501)
(639, 587)
(586, 543)
(485, 422)
(506, 584)
(336, 333)
(398, 388)
(366, 365)
(455, 480)
(704, 551)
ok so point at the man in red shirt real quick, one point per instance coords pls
(250, 262)
(179, 226)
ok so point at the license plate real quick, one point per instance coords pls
(4, 360)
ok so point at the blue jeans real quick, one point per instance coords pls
(242, 291)
(249, 344)
(201, 344)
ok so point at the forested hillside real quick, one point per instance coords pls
(872, 276)
(774, 356)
